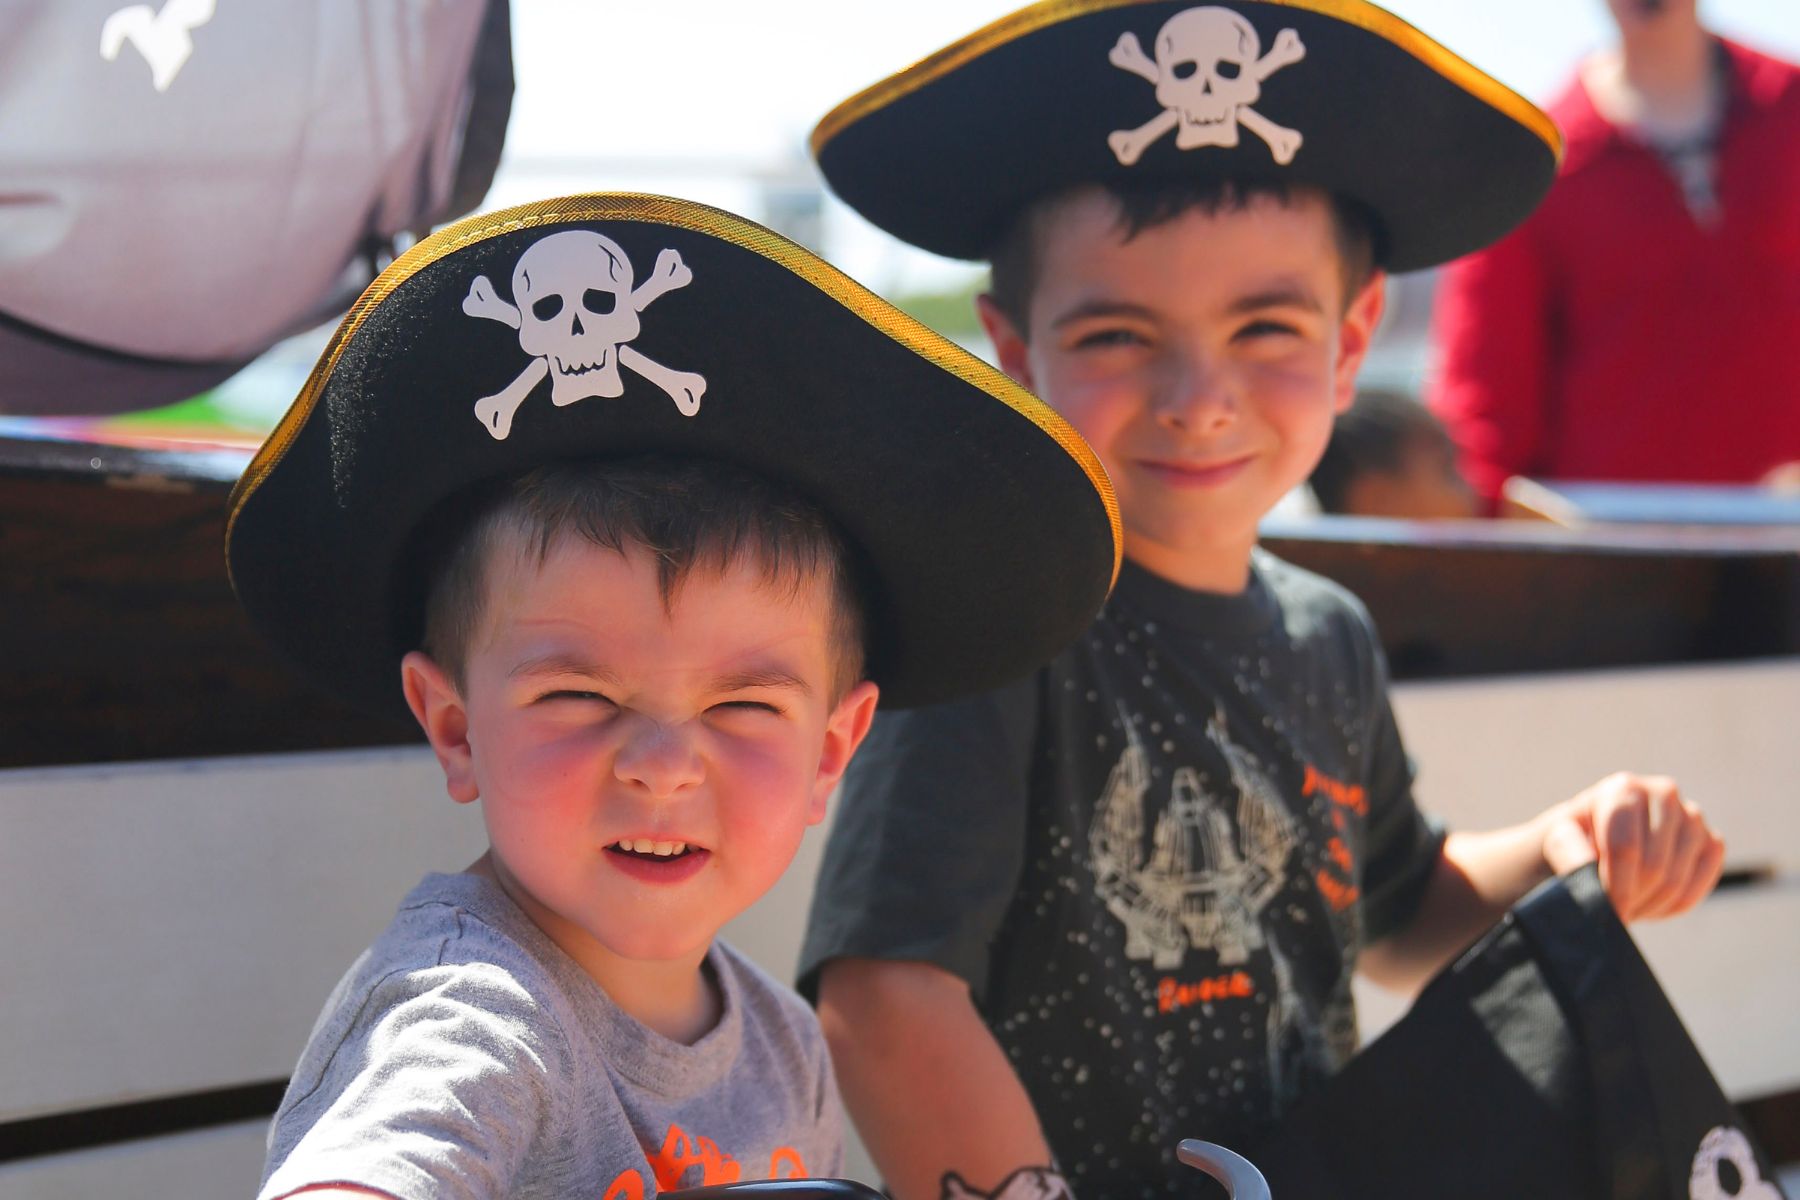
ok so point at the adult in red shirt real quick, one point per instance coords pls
(1644, 322)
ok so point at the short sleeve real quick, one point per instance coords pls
(1402, 845)
(927, 844)
(437, 1090)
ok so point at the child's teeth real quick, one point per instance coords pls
(646, 846)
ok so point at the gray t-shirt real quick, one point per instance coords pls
(464, 1055)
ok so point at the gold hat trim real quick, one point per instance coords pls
(700, 218)
(1378, 21)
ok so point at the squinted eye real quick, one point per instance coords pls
(572, 694)
(1101, 338)
(1260, 329)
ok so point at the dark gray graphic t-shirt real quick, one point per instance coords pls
(1155, 863)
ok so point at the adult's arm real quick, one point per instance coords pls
(1494, 325)
(931, 1090)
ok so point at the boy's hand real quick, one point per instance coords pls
(1657, 855)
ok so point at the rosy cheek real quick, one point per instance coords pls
(1097, 410)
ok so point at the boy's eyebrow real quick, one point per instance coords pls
(561, 663)
(1102, 308)
(1286, 294)
(762, 677)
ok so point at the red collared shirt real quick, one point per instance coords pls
(1612, 336)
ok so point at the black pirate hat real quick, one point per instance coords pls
(1337, 94)
(987, 528)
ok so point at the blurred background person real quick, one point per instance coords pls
(1644, 323)
(1390, 457)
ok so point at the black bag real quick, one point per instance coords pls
(1545, 1064)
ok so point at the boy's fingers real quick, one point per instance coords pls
(1621, 827)
(1665, 819)
(1702, 876)
(1666, 890)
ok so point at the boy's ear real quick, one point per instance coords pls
(438, 706)
(844, 732)
(1010, 347)
(1355, 332)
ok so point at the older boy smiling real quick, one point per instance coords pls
(1207, 797)
(1202, 357)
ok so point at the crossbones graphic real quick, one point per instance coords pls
(576, 313)
(1208, 71)
(1723, 1144)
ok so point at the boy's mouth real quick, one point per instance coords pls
(1182, 474)
(653, 851)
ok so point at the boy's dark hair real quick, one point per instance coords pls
(685, 512)
(1371, 436)
(1013, 261)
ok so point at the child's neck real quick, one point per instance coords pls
(677, 997)
(680, 1000)
(1222, 569)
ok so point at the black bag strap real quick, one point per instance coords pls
(1576, 937)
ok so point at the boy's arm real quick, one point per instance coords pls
(1657, 858)
(921, 866)
(938, 1105)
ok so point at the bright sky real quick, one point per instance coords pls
(701, 98)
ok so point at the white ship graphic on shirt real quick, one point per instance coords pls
(1203, 883)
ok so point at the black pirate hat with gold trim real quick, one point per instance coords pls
(612, 325)
(1337, 94)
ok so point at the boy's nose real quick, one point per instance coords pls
(658, 758)
(1197, 398)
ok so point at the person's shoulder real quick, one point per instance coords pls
(1297, 589)
(1570, 103)
(1587, 137)
(1766, 79)
(767, 1001)
(1325, 622)
(781, 1036)
(452, 942)
(1005, 716)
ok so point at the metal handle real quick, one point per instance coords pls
(1239, 1175)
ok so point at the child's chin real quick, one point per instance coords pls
(650, 945)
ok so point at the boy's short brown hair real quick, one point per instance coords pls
(1014, 258)
(686, 513)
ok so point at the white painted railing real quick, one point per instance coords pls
(175, 927)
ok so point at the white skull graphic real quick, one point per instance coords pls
(573, 292)
(576, 311)
(1206, 59)
(1208, 71)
